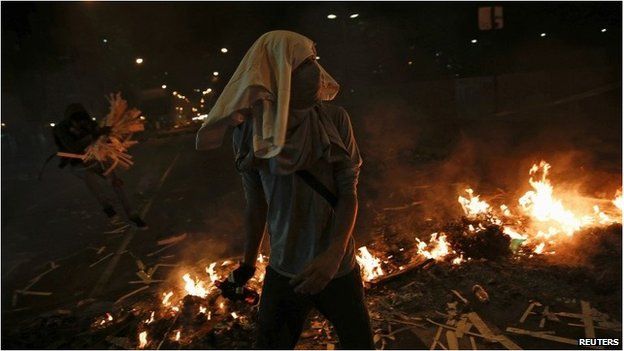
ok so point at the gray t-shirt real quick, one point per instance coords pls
(299, 219)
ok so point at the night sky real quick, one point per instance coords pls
(57, 53)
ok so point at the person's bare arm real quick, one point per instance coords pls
(324, 267)
(255, 215)
(255, 223)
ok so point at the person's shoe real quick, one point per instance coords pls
(139, 223)
(115, 221)
(109, 211)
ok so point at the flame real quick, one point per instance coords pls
(618, 201)
(437, 248)
(194, 287)
(458, 260)
(472, 206)
(212, 273)
(166, 298)
(603, 218)
(548, 216)
(234, 315)
(542, 206)
(371, 265)
(539, 248)
(513, 233)
(505, 210)
(143, 339)
(202, 309)
(151, 318)
(177, 335)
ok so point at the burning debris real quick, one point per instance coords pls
(191, 311)
(538, 224)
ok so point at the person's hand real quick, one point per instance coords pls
(241, 275)
(315, 277)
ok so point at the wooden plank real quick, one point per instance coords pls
(481, 326)
(590, 332)
(459, 296)
(34, 293)
(100, 260)
(452, 341)
(411, 267)
(473, 343)
(596, 327)
(131, 293)
(505, 341)
(542, 335)
(529, 310)
(436, 338)
(578, 316)
(455, 329)
(543, 320)
(462, 326)
(485, 330)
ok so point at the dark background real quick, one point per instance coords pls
(54, 53)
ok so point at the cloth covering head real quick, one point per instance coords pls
(264, 77)
(76, 112)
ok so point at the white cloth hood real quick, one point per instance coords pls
(264, 75)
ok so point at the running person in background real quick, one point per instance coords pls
(299, 164)
(73, 135)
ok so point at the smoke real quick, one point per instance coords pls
(411, 155)
(222, 223)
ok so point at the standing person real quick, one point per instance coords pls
(299, 164)
(73, 135)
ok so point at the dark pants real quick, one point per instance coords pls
(283, 312)
(93, 176)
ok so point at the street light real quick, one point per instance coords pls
(474, 41)
(104, 40)
(215, 73)
(354, 15)
(224, 50)
(164, 86)
(52, 124)
(542, 35)
(332, 16)
(603, 30)
(138, 60)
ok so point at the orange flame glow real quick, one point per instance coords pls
(194, 287)
(143, 339)
(371, 265)
(437, 248)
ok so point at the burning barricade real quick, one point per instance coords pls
(537, 223)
